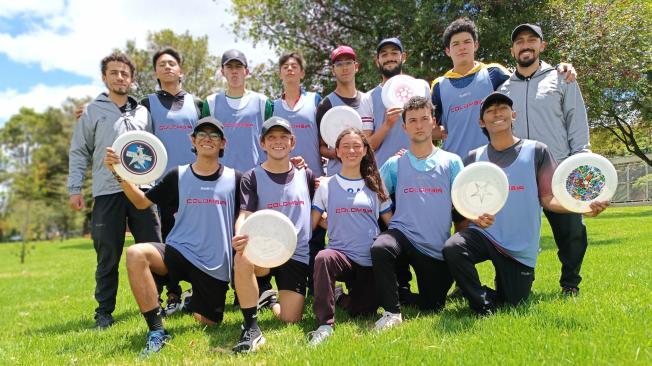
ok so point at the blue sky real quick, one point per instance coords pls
(50, 49)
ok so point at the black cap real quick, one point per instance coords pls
(231, 55)
(523, 27)
(393, 41)
(210, 121)
(273, 122)
(494, 98)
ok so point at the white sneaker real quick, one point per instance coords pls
(388, 320)
(320, 335)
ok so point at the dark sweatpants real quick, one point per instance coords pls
(570, 236)
(433, 278)
(513, 279)
(111, 213)
(332, 265)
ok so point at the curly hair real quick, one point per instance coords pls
(118, 57)
(368, 168)
(461, 25)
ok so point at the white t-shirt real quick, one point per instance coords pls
(320, 200)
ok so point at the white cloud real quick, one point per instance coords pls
(42, 96)
(74, 36)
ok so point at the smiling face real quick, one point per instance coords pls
(278, 143)
(390, 60)
(418, 125)
(168, 69)
(526, 48)
(498, 118)
(462, 48)
(208, 141)
(350, 150)
(117, 77)
(235, 73)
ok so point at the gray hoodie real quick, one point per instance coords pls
(98, 127)
(550, 110)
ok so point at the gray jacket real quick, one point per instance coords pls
(550, 110)
(98, 127)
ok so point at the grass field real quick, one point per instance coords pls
(46, 316)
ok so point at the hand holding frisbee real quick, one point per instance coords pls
(336, 120)
(400, 88)
(480, 188)
(582, 179)
(142, 157)
(272, 238)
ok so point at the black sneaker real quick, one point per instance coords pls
(103, 321)
(250, 340)
(570, 291)
(267, 299)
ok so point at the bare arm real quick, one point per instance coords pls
(550, 203)
(387, 217)
(239, 241)
(133, 193)
(377, 137)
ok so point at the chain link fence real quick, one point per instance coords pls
(632, 188)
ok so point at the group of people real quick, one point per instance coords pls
(382, 193)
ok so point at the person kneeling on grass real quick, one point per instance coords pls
(354, 199)
(512, 242)
(275, 184)
(198, 249)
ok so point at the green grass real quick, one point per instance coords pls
(46, 308)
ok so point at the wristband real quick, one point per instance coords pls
(117, 177)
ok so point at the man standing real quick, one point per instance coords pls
(198, 247)
(458, 94)
(242, 111)
(344, 67)
(174, 114)
(421, 181)
(550, 110)
(102, 121)
(510, 239)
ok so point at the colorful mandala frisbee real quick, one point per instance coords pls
(582, 179)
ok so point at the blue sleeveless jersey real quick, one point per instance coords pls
(517, 227)
(203, 228)
(173, 128)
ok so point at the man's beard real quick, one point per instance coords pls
(529, 62)
(119, 91)
(391, 72)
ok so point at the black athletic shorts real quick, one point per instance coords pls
(208, 293)
(291, 276)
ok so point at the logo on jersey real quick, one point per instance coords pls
(138, 157)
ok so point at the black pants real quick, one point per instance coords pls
(403, 274)
(167, 223)
(111, 214)
(513, 280)
(433, 278)
(316, 244)
(570, 236)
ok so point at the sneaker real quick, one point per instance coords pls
(570, 291)
(174, 304)
(184, 300)
(250, 340)
(267, 299)
(388, 320)
(156, 339)
(103, 321)
(320, 335)
(339, 292)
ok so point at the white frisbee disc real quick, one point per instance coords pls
(582, 179)
(480, 188)
(272, 238)
(142, 157)
(336, 120)
(399, 89)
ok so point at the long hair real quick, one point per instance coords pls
(368, 168)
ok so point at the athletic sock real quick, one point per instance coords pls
(250, 317)
(154, 319)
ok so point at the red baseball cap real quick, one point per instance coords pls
(342, 50)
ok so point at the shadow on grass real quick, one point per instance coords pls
(86, 245)
(86, 322)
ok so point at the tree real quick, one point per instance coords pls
(610, 44)
(199, 66)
